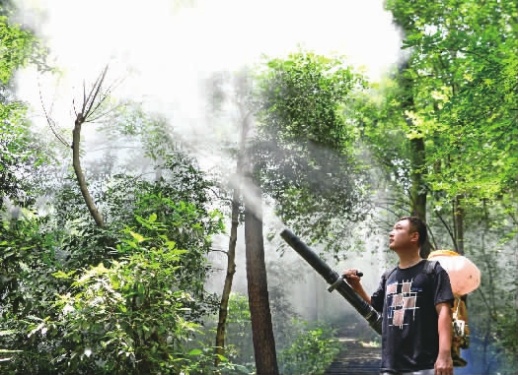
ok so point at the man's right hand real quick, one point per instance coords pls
(352, 276)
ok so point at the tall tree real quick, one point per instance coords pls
(262, 329)
(241, 85)
(302, 156)
(308, 133)
(462, 53)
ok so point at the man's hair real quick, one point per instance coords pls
(419, 226)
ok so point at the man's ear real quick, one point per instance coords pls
(414, 237)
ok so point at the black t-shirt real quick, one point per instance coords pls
(407, 300)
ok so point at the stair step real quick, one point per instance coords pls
(355, 359)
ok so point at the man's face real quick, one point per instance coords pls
(402, 236)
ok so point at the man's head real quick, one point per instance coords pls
(409, 231)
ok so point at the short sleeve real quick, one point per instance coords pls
(378, 297)
(443, 291)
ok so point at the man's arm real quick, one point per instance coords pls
(352, 278)
(444, 362)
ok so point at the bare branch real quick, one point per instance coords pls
(74, 106)
(50, 122)
(219, 251)
(94, 92)
(84, 98)
(102, 114)
(446, 226)
(105, 95)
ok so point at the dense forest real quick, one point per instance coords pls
(105, 258)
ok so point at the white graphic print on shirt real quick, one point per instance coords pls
(401, 299)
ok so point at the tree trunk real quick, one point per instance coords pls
(458, 224)
(262, 330)
(417, 191)
(231, 255)
(231, 270)
(76, 136)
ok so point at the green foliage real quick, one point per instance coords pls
(19, 151)
(27, 260)
(136, 289)
(201, 361)
(306, 144)
(28, 288)
(312, 350)
(122, 316)
(130, 315)
(457, 93)
(507, 329)
(463, 74)
(303, 98)
(179, 204)
(238, 347)
(17, 46)
(187, 221)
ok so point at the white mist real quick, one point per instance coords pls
(165, 49)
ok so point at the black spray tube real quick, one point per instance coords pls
(334, 279)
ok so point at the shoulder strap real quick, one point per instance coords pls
(430, 266)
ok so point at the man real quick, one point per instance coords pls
(416, 307)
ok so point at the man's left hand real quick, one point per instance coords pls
(444, 365)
